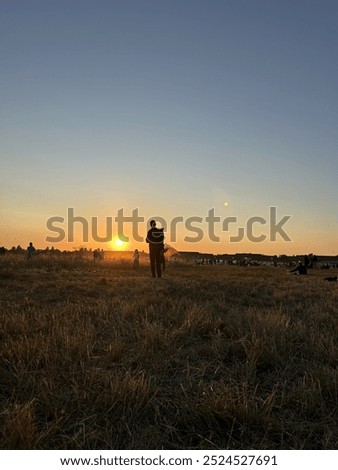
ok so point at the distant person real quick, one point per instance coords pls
(306, 261)
(300, 269)
(155, 240)
(312, 261)
(31, 250)
(165, 249)
(136, 259)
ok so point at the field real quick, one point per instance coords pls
(97, 356)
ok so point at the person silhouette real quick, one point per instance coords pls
(300, 269)
(31, 251)
(136, 259)
(155, 240)
(163, 260)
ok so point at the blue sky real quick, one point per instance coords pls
(173, 107)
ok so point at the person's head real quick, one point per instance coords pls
(30, 243)
(153, 223)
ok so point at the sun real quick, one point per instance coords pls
(118, 244)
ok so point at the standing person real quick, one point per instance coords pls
(136, 259)
(31, 251)
(162, 260)
(155, 239)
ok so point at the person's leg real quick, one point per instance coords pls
(152, 254)
(158, 262)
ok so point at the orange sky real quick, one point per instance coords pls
(173, 108)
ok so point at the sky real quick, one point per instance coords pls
(173, 108)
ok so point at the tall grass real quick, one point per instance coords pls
(97, 356)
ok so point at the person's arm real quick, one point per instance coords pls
(147, 239)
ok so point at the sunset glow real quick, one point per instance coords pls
(119, 245)
(239, 115)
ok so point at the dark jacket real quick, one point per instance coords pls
(155, 236)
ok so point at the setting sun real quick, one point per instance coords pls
(118, 244)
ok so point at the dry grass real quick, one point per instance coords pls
(96, 356)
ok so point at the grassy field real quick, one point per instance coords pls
(96, 356)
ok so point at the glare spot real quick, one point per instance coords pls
(118, 244)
